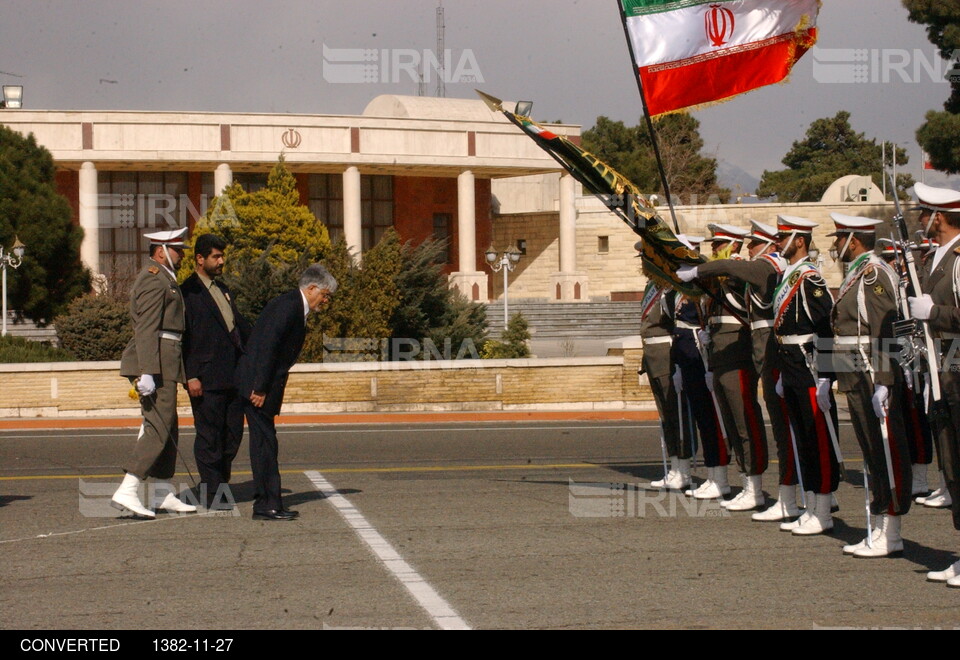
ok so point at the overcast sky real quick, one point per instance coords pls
(568, 56)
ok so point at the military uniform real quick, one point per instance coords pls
(156, 307)
(862, 320)
(761, 277)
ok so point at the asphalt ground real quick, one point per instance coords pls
(497, 524)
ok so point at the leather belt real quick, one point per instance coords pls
(652, 341)
(796, 340)
(760, 325)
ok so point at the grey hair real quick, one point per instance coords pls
(320, 276)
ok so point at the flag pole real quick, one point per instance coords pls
(646, 115)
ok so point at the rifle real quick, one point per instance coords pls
(920, 342)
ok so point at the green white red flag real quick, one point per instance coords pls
(695, 52)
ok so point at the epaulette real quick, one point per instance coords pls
(153, 270)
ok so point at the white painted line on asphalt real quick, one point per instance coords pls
(154, 521)
(436, 607)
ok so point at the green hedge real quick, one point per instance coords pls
(18, 349)
(95, 327)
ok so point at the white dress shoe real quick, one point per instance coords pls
(662, 483)
(943, 501)
(126, 498)
(877, 531)
(954, 582)
(173, 504)
(950, 573)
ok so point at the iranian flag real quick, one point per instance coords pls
(691, 52)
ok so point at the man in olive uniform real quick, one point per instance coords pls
(152, 361)
(735, 379)
(863, 319)
(938, 306)
(761, 275)
(656, 331)
(802, 307)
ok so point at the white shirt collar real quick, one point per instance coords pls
(942, 250)
(306, 305)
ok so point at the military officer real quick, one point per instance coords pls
(656, 331)
(862, 320)
(938, 305)
(153, 362)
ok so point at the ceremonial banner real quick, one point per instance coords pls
(695, 52)
(662, 251)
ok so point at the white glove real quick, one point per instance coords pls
(880, 397)
(779, 388)
(920, 308)
(678, 381)
(703, 336)
(145, 385)
(709, 378)
(687, 273)
(823, 394)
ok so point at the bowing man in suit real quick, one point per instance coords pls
(212, 345)
(273, 348)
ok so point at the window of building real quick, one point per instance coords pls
(376, 208)
(442, 233)
(131, 204)
(325, 199)
(603, 244)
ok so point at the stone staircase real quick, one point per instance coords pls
(29, 330)
(573, 321)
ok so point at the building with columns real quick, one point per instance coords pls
(424, 166)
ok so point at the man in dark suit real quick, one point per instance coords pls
(273, 348)
(212, 344)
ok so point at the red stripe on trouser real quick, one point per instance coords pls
(789, 475)
(757, 441)
(896, 488)
(916, 437)
(824, 444)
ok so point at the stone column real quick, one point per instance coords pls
(352, 221)
(90, 218)
(222, 177)
(568, 285)
(472, 284)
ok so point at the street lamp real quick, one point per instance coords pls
(14, 262)
(505, 261)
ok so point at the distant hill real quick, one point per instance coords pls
(738, 180)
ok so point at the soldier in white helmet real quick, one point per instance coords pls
(938, 305)
(153, 362)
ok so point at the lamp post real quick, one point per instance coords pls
(13, 261)
(506, 262)
(12, 97)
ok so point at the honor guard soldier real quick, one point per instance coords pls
(939, 305)
(862, 320)
(153, 362)
(656, 331)
(735, 379)
(692, 382)
(761, 274)
(915, 422)
(802, 307)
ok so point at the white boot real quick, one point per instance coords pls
(877, 532)
(784, 508)
(690, 492)
(954, 582)
(681, 478)
(128, 499)
(888, 543)
(808, 513)
(709, 490)
(751, 497)
(170, 502)
(820, 522)
(727, 503)
(671, 473)
(720, 478)
(950, 573)
(936, 495)
(920, 486)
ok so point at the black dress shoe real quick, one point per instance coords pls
(273, 514)
(295, 514)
